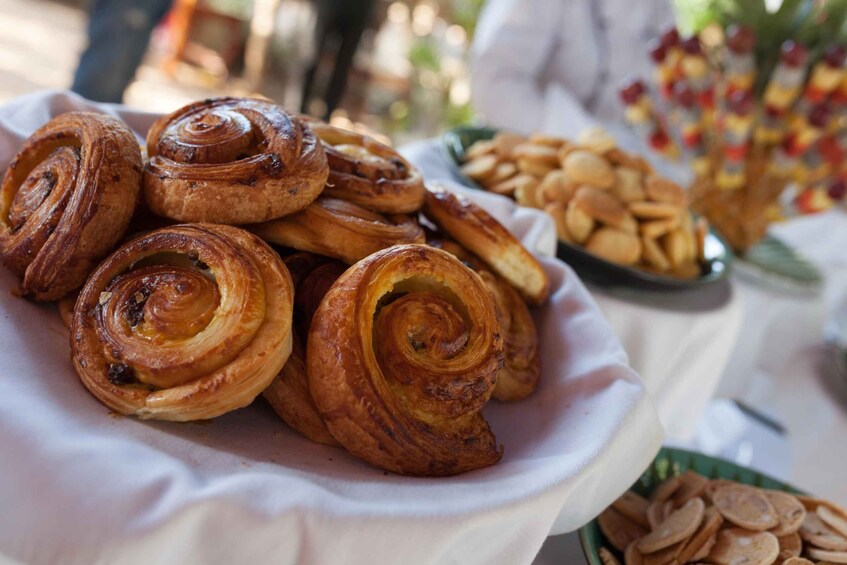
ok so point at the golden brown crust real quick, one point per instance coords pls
(484, 236)
(340, 229)
(232, 161)
(522, 359)
(522, 368)
(403, 353)
(183, 323)
(367, 172)
(289, 393)
(66, 200)
(290, 398)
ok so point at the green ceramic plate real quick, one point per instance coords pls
(591, 267)
(671, 462)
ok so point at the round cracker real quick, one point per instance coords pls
(619, 530)
(745, 506)
(679, 526)
(789, 510)
(737, 545)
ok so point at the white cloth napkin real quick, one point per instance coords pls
(78, 485)
(679, 342)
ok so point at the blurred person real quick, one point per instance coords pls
(118, 34)
(339, 28)
(556, 65)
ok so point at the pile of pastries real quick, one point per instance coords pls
(253, 251)
(601, 198)
(689, 518)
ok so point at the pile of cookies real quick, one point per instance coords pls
(360, 327)
(608, 201)
(691, 519)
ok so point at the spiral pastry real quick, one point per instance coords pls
(481, 234)
(369, 173)
(231, 161)
(522, 368)
(340, 229)
(403, 352)
(289, 394)
(66, 200)
(183, 323)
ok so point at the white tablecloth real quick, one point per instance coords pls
(79, 486)
(779, 364)
(677, 341)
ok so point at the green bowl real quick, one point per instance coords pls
(670, 462)
(599, 271)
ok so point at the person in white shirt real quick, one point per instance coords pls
(556, 65)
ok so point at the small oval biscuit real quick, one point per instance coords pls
(615, 246)
(600, 205)
(579, 224)
(481, 168)
(629, 185)
(654, 255)
(502, 172)
(660, 189)
(653, 210)
(658, 228)
(737, 545)
(526, 194)
(540, 138)
(480, 148)
(509, 186)
(557, 187)
(540, 154)
(535, 168)
(620, 158)
(558, 212)
(586, 167)
(505, 142)
(789, 510)
(797, 561)
(745, 506)
(677, 527)
(675, 246)
(596, 139)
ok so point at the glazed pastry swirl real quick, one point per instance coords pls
(340, 229)
(519, 376)
(186, 322)
(484, 236)
(289, 393)
(66, 200)
(231, 161)
(522, 368)
(369, 173)
(403, 353)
